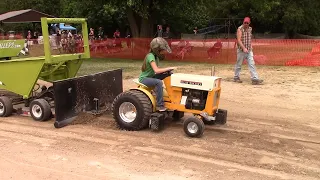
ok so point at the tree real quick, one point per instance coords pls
(142, 16)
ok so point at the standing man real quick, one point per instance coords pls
(244, 51)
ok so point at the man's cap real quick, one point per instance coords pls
(246, 19)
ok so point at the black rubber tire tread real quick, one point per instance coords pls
(200, 124)
(45, 107)
(8, 106)
(177, 115)
(155, 124)
(222, 116)
(142, 104)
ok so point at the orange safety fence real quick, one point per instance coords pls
(286, 52)
(282, 52)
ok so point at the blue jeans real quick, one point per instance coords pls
(157, 83)
(240, 57)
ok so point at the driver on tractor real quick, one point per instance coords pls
(150, 68)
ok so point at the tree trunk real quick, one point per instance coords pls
(141, 26)
(146, 30)
(133, 23)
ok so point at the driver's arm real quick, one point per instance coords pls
(159, 70)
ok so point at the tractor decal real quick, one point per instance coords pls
(11, 48)
(11, 44)
(191, 83)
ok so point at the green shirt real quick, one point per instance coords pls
(149, 72)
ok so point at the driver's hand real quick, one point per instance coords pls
(173, 68)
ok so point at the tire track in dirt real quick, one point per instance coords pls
(305, 164)
(265, 172)
(51, 136)
(24, 165)
(246, 123)
(74, 133)
(5, 134)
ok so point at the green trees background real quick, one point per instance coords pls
(142, 16)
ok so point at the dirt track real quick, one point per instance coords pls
(272, 133)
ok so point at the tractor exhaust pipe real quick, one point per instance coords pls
(213, 71)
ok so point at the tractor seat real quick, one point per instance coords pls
(140, 84)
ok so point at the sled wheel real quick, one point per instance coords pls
(6, 106)
(40, 110)
(132, 110)
(193, 127)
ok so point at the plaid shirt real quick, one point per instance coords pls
(245, 38)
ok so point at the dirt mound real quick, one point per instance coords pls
(100, 121)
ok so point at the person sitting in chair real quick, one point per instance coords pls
(215, 49)
(150, 68)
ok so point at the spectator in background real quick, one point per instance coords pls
(167, 33)
(244, 51)
(195, 30)
(69, 34)
(159, 31)
(117, 40)
(29, 36)
(35, 37)
(167, 36)
(215, 49)
(100, 33)
(91, 34)
(79, 36)
(128, 38)
(116, 34)
(58, 33)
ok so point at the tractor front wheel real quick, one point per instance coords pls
(193, 127)
(6, 106)
(40, 110)
(132, 110)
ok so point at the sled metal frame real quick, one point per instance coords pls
(20, 75)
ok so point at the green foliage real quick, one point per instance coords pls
(182, 16)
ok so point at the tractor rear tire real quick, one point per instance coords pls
(140, 106)
(6, 106)
(193, 127)
(40, 110)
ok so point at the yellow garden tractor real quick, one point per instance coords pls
(199, 95)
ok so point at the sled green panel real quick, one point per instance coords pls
(73, 67)
(11, 48)
(63, 70)
(19, 76)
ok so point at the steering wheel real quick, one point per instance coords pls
(163, 75)
(170, 71)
